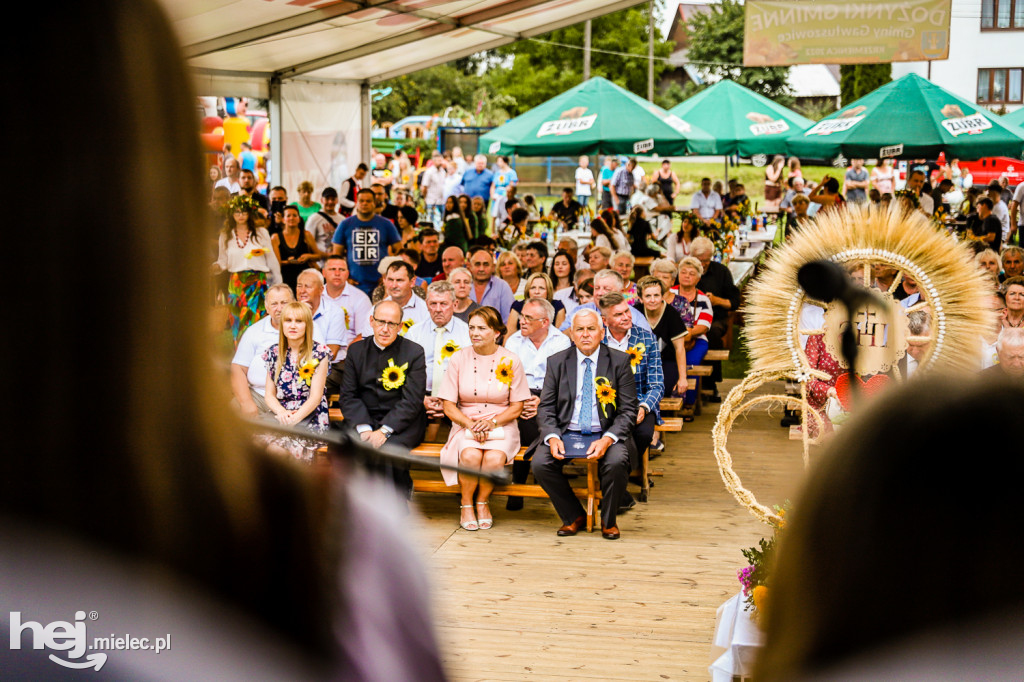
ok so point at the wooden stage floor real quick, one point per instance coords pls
(517, 602)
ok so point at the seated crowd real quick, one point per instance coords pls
(509, 344)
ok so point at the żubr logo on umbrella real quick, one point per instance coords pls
(957, 123)
(843, 121)
(677, 123)
(765, 124)
(571, 121)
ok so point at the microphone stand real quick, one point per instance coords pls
(343, 444)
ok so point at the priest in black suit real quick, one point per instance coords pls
(382, 388)
(569, 402)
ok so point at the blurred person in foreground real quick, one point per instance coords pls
(174, 521)
(895, 559)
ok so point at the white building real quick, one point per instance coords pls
(986, 54)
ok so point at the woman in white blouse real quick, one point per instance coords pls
(246, 252)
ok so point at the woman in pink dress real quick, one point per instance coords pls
(483, 393)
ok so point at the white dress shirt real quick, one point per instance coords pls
(331, 321)
(581, 368)
(414, 310)
(534, 359)
(706, 205)
(617, 345)
(424, 334)
(357, 309)
(254, 343)
(1000, 211)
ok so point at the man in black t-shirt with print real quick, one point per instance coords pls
(568, 210)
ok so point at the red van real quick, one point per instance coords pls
(993, 168)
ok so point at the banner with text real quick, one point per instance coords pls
(784, 32)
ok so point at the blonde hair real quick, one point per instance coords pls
(507, 256)
(691, 262)
(303, 312)
(547, 283)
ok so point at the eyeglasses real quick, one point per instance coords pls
(529, 318)
(386, 324)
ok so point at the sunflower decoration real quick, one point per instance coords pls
(393, 376)
(307, 371)
(636, 355)
(504, 372)
(407, 325)
(255, 253)
(447, 350)
(605, 394)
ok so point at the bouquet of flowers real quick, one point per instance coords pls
(756, 576)
(723, 235)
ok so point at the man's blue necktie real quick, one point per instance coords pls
(587, 398)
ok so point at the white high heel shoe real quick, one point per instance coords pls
(468, 525)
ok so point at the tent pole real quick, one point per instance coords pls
(726, 159)
(586, 51)
(365, 127)
(650, 52)
(276, 130)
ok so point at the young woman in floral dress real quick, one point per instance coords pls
(297, 367)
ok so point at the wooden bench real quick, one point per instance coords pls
(695, 373)
(591, 492)
(713, 356)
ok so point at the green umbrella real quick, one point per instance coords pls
(909, 118)
(1015, 118)
(596, 117)
(741, 121)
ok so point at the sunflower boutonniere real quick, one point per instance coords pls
(504, 372)
(393, 376)
(605, 394)
(407, 325)
(307, 371)
(636, 355)
(447, 350)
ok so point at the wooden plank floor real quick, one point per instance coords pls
(517, 602)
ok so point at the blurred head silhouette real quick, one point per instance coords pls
(900, 529)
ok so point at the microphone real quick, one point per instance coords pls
(827, 281)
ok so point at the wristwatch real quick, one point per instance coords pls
(494, 421)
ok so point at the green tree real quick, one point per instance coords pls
(857, 80)
(425, 92)
(716, 47)
(546, 67)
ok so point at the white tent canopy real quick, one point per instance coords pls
(315, 59)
